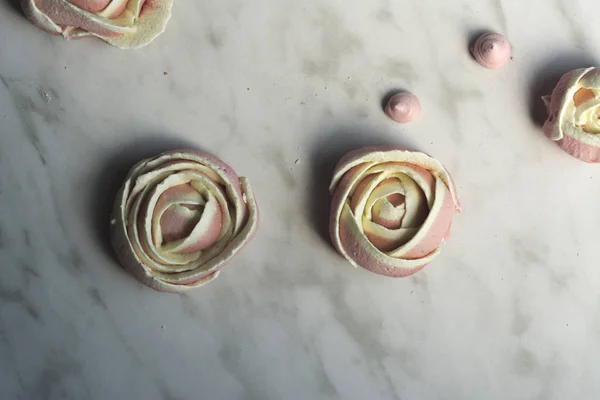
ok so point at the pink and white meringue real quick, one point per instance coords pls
(574, 114)
(122, 23)
(491, 50)
(403, 107)
(391, 209)
(180, 217)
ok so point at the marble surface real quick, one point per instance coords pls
(280, 89)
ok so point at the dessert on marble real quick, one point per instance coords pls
(391, 209)
(180, 217)
(574, 114)
(403, 107)
(491, 50)
(123, 23)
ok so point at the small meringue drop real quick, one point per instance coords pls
(491, 50)
(403, 107)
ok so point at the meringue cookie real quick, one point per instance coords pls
(403, 107)
(491, 50)
(122, 23)
(179, 218)
(391, 209)
(574, 114)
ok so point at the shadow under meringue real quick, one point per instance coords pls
(472, 37)
(389, 94)
(16, 6)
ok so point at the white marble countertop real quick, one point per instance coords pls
(509, 310)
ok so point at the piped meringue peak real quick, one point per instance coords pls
(491, 50)
(403, 107)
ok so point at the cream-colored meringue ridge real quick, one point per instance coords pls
(384, 155)
(580, 121)
(587, 115)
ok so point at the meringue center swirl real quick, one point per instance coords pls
(391, 206)
(183, 218)
(587, 109)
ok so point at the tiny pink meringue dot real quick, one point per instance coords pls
(491, 50)
(403, 107)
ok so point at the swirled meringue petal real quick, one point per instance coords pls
(122, 23)
(391, 209)
(380, 204)
(434, 229)
(415, 203)
(383, 154)
(205, 233)
(357, 249)
(387, 215)
(203, 200)
(573, 114)
(385, 239)
(175, 211)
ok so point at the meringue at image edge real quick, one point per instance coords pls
(126, 24)
(179, 218)
(574, 114)
(391, 209)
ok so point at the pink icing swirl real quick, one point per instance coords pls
(391, 209)
(403, 107)
(491, 50)
(180, 217)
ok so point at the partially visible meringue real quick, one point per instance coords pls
(126, 24)
(403, 107)
(574, 114)
(491, 50)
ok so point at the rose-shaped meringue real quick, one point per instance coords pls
(179, 218)
(491, 50)
(403, 107)
(123, 23)
(574, 114)
(391, 209)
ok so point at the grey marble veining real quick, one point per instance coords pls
(280, 89)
